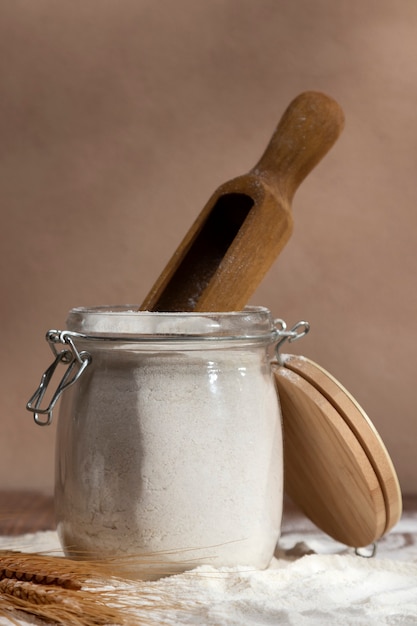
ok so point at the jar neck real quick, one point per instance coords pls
(126, 323)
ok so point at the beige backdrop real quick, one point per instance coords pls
(118, 120)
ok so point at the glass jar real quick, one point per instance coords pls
(170, 441)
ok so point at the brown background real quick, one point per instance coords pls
(118, 118)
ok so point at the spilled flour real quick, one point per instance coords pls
(316, 589)
(311, 590)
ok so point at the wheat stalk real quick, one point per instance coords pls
(39, 569)
(60, 606)
(52, 588)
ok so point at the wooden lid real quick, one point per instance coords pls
(337, 468)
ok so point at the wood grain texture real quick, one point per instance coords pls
(361, 425)
(247, 221)
(25, 511)
(327, 472)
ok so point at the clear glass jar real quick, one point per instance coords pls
(170, 442)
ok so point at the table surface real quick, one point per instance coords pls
(26, 511)
(329, 585)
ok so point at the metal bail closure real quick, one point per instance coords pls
(298, 331)
(76, 363)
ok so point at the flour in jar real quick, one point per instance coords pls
(174, 449)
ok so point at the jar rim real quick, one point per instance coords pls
(126, 322)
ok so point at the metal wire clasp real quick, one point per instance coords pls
(76, 363)
(368, 552)
(298, 331)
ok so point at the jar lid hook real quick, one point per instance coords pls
(76, 363)
(298, 331)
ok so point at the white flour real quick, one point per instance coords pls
(312, 590)
(172, 450)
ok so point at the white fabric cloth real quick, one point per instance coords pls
(312, 580)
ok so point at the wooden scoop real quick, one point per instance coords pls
(246, 223)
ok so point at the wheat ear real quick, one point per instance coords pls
(71, 593)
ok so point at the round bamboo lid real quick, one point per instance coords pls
(336, 466)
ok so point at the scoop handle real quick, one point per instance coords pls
(307, 130)
(248, 220)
